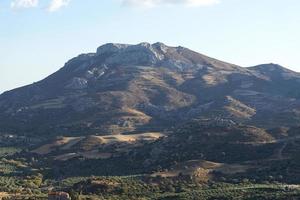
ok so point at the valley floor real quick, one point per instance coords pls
(220, 191)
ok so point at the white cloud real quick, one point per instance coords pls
(57, 4)
(153, 3)
(24, 4)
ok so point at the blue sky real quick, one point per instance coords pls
(38, 36)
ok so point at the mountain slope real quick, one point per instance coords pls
(149, 87)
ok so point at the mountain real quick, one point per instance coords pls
(149, 87)
(149, 121)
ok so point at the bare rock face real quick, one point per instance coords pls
(150, 87)
(120, 54)
(111, 48)
(77, 84)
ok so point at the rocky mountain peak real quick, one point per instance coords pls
(126, 54)
(111, 48)
(124, 87)
(146, 54)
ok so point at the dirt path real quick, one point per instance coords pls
(278, 152)
(276, 141)
(3, 195)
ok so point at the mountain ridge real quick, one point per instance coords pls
(130, 88)
(136, 121)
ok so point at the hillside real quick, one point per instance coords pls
(149, 87)
(150, 121)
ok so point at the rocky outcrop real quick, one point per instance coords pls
(163, 85)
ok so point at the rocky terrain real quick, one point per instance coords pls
(150, 121)
(149, 87)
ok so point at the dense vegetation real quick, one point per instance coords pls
(196, 161)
